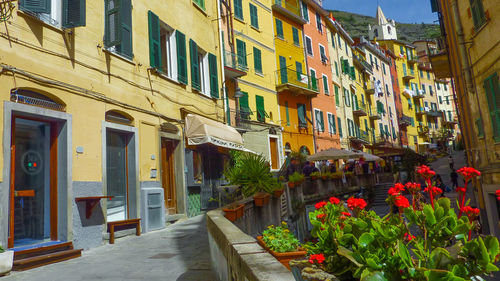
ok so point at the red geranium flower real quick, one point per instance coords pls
(409, 237)
(434, 190)
(346, 214)
(320, 205)
(470, 212)
(401, 202)
(320, 258)
(413, 187)
(468, 173)
(399, 186)
(393, 191)
(334, 200)
(461, 189)
(355, 203)
(425, 172)
(498, 194)
(320, 216)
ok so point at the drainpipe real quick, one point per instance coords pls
(224, 96)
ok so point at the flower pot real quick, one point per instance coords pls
(283, 258)
(232, 214)
(313, 177)
(277, 193)
(260, 199)
(6, 260)
(324, 177)
(240, 211)
(291, 184)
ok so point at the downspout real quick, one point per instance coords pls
(224, 96)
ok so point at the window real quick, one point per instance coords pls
(301, 113)
(287, 114)
(426, 104)
(376, 32)
(257, 60)
(296, 39)
(404, 69)
(325, 84)
(447, 100)
(337, 100)
(440, 100)
(238, 9)
(479, 125)
(254, 18)
(118, 27)
(245, 110)
(279, 29)
(387, 89)
(492, 91)
(430, 90)
(340, 126)
(305, 12)
(241, 53)
(331, 123)
(383, 68)
(162, 50)
(376, 63)
(180, 41)
(64, 13)
(314, 82)
(261, 112)
(421, 73)
(320, 122)
(445, 87)
(309, 46)
(318, 22)
(401, 50)
(346, 48)
(336, 68)
(438, 87)
(324, 59)
(340, 40)
(333, 39)
(477, 11)
(428, 75)
(200, 3)
(200, 78)
(347, 97)
(423, 88)
(298, 68)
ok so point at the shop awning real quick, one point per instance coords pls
(334, 154)
(201, 130)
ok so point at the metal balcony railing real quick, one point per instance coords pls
(375, 114)
(360, 109)
(235, 61)
(363, 63)
(294, 78)
(434, 113)
(290, 5)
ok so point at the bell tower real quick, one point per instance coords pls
(383, 29)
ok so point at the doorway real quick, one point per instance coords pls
(168, 175)
(33, 182)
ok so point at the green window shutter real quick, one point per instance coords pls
(261, 111)
(295, 33)
(479, 124)
(381, 128)
(214, 79)
(244, 107)
(112, 34)
(301, 113)
(386, 130)
(314, 84)
(283, 70)
(73, 13)
(477, 11)
(279, 28)
(195, 65)
(257, 60)
(241, 50)
(337, 100)
(492, 90)
(334, 128)
(352, 73)
(287, 114)
(339, 123)
(366, 125)
(35, 6)
(322, 121)
(305, 13)
(181, 57)
(200, 3)
(325, 85)
(238, 9)
(126, 28)
(336, 68)
(154, 40)
(254, 18)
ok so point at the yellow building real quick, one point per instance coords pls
(294, 86)
(97, 101)
(249, 56)
(363, 99)
(468, 52)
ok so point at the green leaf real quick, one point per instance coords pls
(491, 267)
(404, 254)
(491, 244)
(429, 215)
(346, 239)
(360, 224)
(365, 239)
(485, 256)
(440, 258)
(439, 213)
(374, 276)
(371, 263)
(445, 203)
(460, 270)
(348, 254)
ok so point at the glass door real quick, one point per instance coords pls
(116, 175)
(31, 185)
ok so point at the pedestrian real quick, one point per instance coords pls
(450, 161)
(454, 179)
(333, 168)
(324, 166)
(292, 168)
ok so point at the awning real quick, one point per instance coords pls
(369, 157)
(334, 154)
(201, 130)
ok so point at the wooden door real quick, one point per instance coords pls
(167, 175)
(274, 153)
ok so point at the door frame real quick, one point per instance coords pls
(63, 166)
(179, 169)
(168, 177)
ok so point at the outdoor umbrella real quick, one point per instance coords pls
(369, 157)
(334, 154)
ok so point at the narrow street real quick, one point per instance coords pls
(179, 252)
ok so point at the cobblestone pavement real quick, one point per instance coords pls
(179, 252)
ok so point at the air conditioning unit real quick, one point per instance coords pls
(153, 209)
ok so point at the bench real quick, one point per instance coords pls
(124, 224)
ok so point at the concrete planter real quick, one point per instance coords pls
(6, 260)
(283, 258)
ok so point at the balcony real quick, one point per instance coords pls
(361, 137)
(408, 77)
(440, 61)
(360, 110)
(375, 114)
(408, 93)
(290, 9)
(450, 122)
(363, 64)
(434, 113)
(234, 66)
(422, 130)
(412, 59)
(419, 94)
(369, 88)
(419, 110)
(404, 121)
(296, 82)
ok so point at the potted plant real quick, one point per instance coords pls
(315, 175)
(278, 191)
(326, 175)
(6, 260)
(261, 198)
(336, 176)
(234, 211)
(295, 179)
(281, 243)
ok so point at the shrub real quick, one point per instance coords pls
(296, 177)
(280, 239)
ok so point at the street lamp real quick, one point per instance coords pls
(237, 95)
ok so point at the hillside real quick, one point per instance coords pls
(357, 25)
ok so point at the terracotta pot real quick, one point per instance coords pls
(324, 177)
(277, 193)
(232, 214)
(240, 211)
(291, 184)
(260, 199)
(283, 258)
(313, 177)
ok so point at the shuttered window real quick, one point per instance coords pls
(352, 73)
(340, 127)
(200, 3)
(238, 9)
(336, 68)
(301, 113)
(318, 22)
(440, 100)
(477, 11)
(314, 82)
(241, 50)
(73, 13)
(309, 47)
(181, 57)
(337, 100)
(479, 125)
(118, 26)
(381, 129)
(331, 123)
(257, 60)
(254, 18)
(492, 90)
(295, 33)
(305, 13)
(261, 111)
(244, 107)
(214, 78)
(195, 65)
(287, 114)
(325, 84)
(279, 29)
(154, 40)
(35, 6)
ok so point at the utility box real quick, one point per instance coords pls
(153, 209)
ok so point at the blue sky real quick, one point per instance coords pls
(405, 11)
